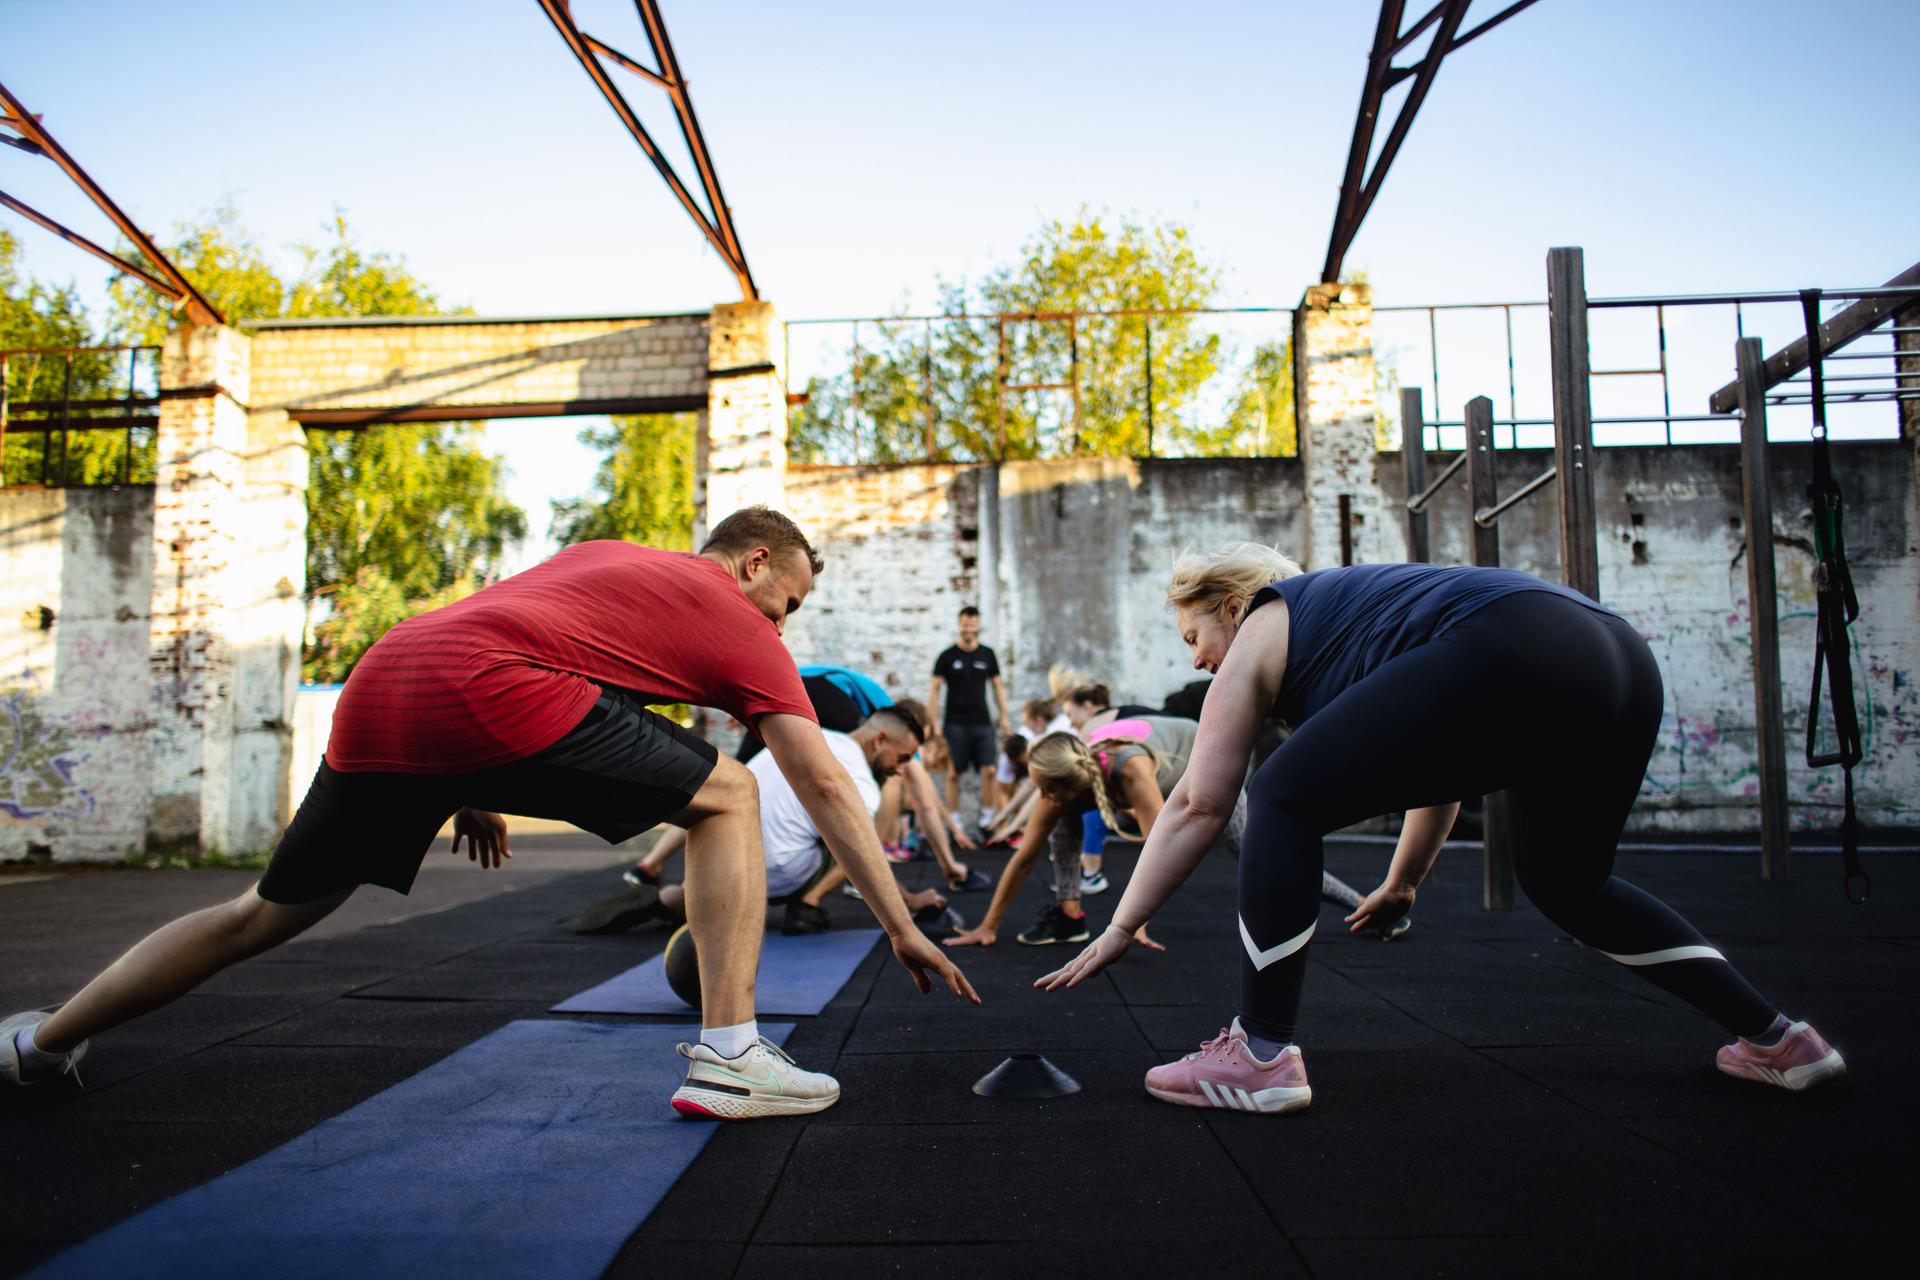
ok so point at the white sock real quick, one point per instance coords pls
(32, 1056)
(731, 1042)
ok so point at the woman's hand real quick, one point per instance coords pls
(1101, 952)
(1381, 907)
(979, 936)
(917, 954)
(485, 834)
(1140, 936)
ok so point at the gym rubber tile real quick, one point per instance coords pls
(269, 976)
(1178, 978)
(109, 1171)
(722, 1194)
(682, 1260)
(298, 1086)
(1574, 1257)
(1325, 1176)
(1368, 1085)
(508, 971)
(937, 1088)
(1834, 1169)
(444, 1025)
(1266, 1255)
(1343, 1025)
(1035, 1173)
(1536, 1020)
(952, 1027)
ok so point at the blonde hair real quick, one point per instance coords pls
(1062, 680)
(1210, 581)
(1063, 758)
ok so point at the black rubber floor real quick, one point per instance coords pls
(1489, 1098)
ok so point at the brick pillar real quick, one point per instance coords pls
(1333, 387)
(741, 457)
(229, 530)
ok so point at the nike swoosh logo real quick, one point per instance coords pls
(771, 1082)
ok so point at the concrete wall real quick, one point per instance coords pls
(74, 701)
(470, 363)
(1068, 560)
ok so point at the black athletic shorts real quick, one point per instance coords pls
(972, 746)
(622, 770)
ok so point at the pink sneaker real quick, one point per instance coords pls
(1224, 1073)
(1801, 1060)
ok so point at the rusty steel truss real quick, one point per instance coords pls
(1359, 188)
(716, 220)
(33, 138)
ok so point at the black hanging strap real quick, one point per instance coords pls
(1838, 607)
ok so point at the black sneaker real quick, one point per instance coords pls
(804, 917)
(1054, 926)
(620, 912)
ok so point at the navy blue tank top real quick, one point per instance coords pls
(1347, 622)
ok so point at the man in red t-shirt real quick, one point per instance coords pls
(531, 697)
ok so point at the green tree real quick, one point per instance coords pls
(410, 512)
(958, 373)
(38, 319)
(1260, 420)
(643, 489)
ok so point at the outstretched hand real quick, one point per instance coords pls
(1380, 908)
(1101, 952)
(916, 952)
(979, 936)
(485, 834)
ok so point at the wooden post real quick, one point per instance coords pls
(1573, 419)
(1496, 859)
(1413, 456)
(1770, 740)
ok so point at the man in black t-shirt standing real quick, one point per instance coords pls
(966, 669)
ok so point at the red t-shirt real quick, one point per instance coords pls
(507, 671)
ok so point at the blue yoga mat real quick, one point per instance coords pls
(534, 1151)
(798, 975)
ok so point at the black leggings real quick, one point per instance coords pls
(1553, 702)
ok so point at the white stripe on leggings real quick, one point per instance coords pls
(1668, 956)
(1261, 959)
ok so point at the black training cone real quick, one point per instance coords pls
(1026, 1075)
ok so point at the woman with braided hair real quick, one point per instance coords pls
(1121, 775)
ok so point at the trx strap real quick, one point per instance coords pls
(1838, 607)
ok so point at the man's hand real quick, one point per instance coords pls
(1381, 908)
(964, 840)
(485, 834)
(1140, 936)
(978, 936)
(916, 952)
(1101, 952)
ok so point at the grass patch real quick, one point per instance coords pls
(195, 860)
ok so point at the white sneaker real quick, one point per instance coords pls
(14, 1071)
(763, 1081)
(1092, 882)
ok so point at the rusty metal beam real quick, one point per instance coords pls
(1359, 188)
(588, 50)
(177, 287)
(32, 214)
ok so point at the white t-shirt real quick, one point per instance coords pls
(1060, 724)
(787, 832)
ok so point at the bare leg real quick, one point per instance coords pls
(726, 891)
(671, 841)
(176, 958)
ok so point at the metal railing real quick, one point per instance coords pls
(78, 416)
(976, 386)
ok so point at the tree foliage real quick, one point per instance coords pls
(953, 389)
(45, 318)
(643, 489)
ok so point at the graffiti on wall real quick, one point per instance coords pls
(37, 763)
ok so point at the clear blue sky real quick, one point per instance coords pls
(866, 147)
